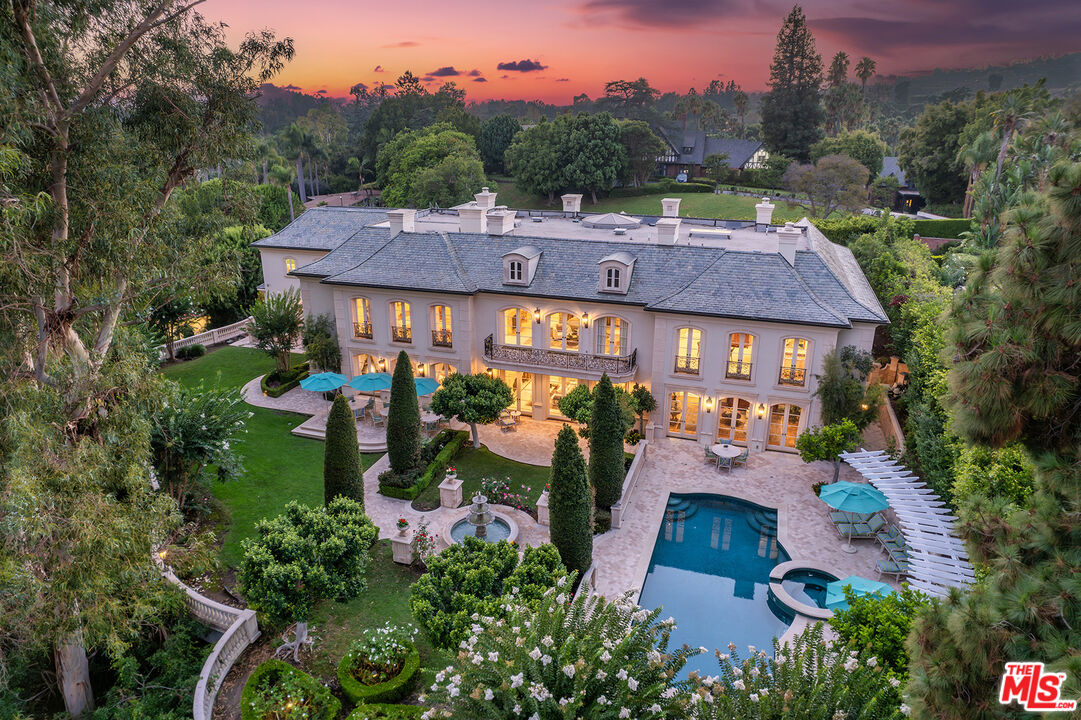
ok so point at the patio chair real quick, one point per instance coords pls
(378, 419)
(891, 537)
(853, 530)
(358, 413)
(507, 424)
(724, 463)
(711, 457)
(892, 567)
(840, 516)
(876, 522)
(741, 459)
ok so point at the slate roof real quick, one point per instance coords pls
(322, 228)
(738, 151)
(680, 278)
(890, 166)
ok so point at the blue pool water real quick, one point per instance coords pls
(710, 571)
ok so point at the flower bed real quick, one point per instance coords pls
(501, 492)
(275, 384)
(386, 712)
(380, 666)
(408, 487)
(278, 691)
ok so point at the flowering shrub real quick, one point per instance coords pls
(379, 653)
(500, 492)
(581, 658)
(880, 625)
(805, 680)
(425, 541)
(470, 578)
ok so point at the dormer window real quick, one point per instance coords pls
(520, 264)
(290, 265)
(611, 278)
(514, 271)
(687, 149)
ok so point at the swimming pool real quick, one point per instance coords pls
(710, 571)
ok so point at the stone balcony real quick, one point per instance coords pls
(587, 366)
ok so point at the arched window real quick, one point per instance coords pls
(733, 416)
(366, 364)
(688, 350)
(362, 318)
(401, 322)
(290, 265)
(517, 327)
(441, 326)
(612, 279)
(563, 332)
(740, 347)
(783, 425)
(794, 362)
(612, 335)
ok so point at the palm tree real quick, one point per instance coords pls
(865, 68)
(1012, 115)
(298, 142)
(976, 155)
(282, 175)
(742, 102)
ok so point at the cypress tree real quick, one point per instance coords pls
(342, 474)
(570, 505)
(791, 110)
(606, 431)
(1016, 377)
(403, 418)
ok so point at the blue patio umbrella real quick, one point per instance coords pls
(323, 382)
(835, 591)
(425, 386)
(370, 382)
(853, 497)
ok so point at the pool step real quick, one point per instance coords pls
(762, 522)
(680, 509)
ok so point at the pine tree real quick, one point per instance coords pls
(403, 418)
(570, 505)
(791, 111)
(606, 431)
(1017, 339)
(342, 474)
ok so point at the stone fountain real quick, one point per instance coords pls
(480, 517)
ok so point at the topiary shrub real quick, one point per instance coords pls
(389, 691)
(878, 626)
(342, 474)
(387, 712)
(276, 689)
(190, 352)
(606, 429)
(472, 578)
(275, 383)
(403, 418)
(408, 485)
(570, 505)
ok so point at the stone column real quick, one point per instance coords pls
(450, 491)
(402, 546)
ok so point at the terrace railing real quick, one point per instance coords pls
(738, 370)
(687, 364)
(792, 376)
(561, 360)
(210, 337)
(401, 334)
(442, 338)
(630, 483)
(362, 330)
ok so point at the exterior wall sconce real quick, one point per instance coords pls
(536, 315)
(585, 320)
(761, 410)
(490, 372)
(709, 404)
(420, 370)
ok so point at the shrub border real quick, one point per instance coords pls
(331, 708)
(384, 692)
(435, 468)
(284, 387)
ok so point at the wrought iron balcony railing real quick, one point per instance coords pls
(738, 370)
(687, 364)
(362, 330)
(441, 338)
(792, 376)
(401, 334)
(561, 360)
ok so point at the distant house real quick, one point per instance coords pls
(687, 153)
(908, 198)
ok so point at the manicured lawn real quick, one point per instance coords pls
(278, 466)
(474, 465)
(704, 205)
(386, 599)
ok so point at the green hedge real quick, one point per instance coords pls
(386, 712)
(436, 468)
(190, 352)
(289, 381)
(951, 229)
(389, 691)
(847, 229)
(667, 185)
(326, 706)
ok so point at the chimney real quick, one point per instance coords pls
(485, 199)
(667, 230)
(473, 219)
(501, 222)
(786, 242)
(763, 214)
(670, 207)
(403, 220)
(572, 203)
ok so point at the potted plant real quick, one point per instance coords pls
(403, 524)
(381, 665)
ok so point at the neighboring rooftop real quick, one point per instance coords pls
(694, 146)
(890, 166)
(322, 228)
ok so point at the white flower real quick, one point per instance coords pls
(894, 682)
(738, 685)
(851, 664)
(561, 581)
(535, 653)
(624, 713)
(601, 674)
(534, 716)
(738, 672)
(754, 697)
(764, 692)
(568, 670)
(723, 656)
(751, 649)
(668, 693)
(454, 691)
(561, 598)
(905, 710)
(440, 676)
(519, 641)
(654, 708)
(564, 701)
(545, 659)
(755, 672)
(516, 629)
(781, 659)
(602, 700)
(517, 709)
(872, 661)
(606, 656)
(516, 680)
(547, 641)
(488, 694)
(478, 659)
(622, 674)
(493, 657)
(632, 683)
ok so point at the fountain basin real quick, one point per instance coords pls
(455, 527)
(498, 530)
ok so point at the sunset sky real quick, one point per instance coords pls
(555, 49)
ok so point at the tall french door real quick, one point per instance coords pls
(783, 426)
(521, 386)
(683, 414)
(733, 420)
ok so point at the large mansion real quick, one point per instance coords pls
(726, 322)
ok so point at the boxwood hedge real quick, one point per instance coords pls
(389, 691)
(435, 470)
(324, 705)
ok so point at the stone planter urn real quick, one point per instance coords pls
(542, 509)
(403, 527)
(450, 490)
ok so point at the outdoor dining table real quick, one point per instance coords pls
(725, 450)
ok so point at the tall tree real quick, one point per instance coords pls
(843, 390)
(742, 102)
(1015, 377)
(342, 474)
(406, 165)
(593, 155)
(629, 98)
(277, 321)
(642, 147)
(495, 137)
(472, 399)
(791, 110)
(928, 152)
(533, 159)
(834, 182)
(403, 418)
(570, 504)
(606, 430)
(838, 72)
(861, 145)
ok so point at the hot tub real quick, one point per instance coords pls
(800, 588)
